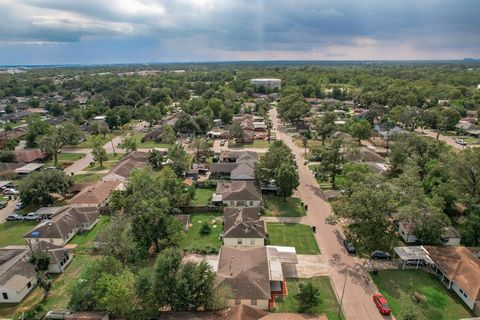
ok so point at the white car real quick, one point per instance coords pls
(19, 205)
(32, 216)
(10, 191)
(461, 142)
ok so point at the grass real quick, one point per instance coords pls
(398, 286)
(254, 144)
(88, 177)
(84, 241)
(202, 196)
(279, 207)
(148, 144)
(11, 232)
(88, 143)
(328, 301)
(66, 158)
(194, 241)
(295, 235)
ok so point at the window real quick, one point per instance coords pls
(252, 242)
(5, 295)
(29, 285)
(254, 302)
(239, 241)
(240, 203)
(238, 301)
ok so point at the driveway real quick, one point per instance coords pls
(344, 269)
(7, 210)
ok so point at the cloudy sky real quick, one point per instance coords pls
(117, 31)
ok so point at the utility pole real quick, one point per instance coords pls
(343, 291)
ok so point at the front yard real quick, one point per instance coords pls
(65, 159)
(328, 301)
(399, 287)
(193, 241)
(147, 144)
(295, 235)
(202, 196)
(255, 144)
(279, 207)
(88, 143)
(107, 165)
(88, 177)
(11, 232)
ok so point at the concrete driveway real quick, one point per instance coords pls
(9, 209)
(344, 269)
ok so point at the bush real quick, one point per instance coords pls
(205, 228)
(308, 297)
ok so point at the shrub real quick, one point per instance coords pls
(205, 228)
(308, 297)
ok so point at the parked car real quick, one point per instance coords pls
(380, 255)
(222, 142)
(19, 205)
(415, 262)
(14, 217)
(32, 216)
(10, 191)
(382, 304)
(57, 314)
(349, 246)
(461, 142)
(3, 204)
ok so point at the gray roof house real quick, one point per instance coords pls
(238, 194)
(242, 226)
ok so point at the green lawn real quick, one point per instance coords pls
(202, 196)
(11, 232)
(295, 235)
(89, 177)
(88, 142)
(194, 241)
(279, 207)
(66, 158)
(328, 301)
(254, 144)
(148, 144)
(398, 286)
(84, 241)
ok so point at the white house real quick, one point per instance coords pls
(267, 82)
(451, 236)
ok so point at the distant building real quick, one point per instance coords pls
(267, 82)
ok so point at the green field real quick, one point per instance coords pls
(202, 196)
(328, 301)
(399, 287)
(88, 177)
(84, 241)
(295, 235)
(255, 144)
(279, 207)
(148, 144)
(65, 157)
(194, 241)
(11, 232)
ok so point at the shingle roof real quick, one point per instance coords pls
(245, 270)
(239, 190)
(243, 223)
(238, 155)
(57, 228)
(29, 155)
(124, 168)
(95, 194)
(16, 272)
(459, 264)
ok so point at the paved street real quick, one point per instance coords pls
(357, 300)
(448, 140)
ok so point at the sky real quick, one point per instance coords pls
(143, 31)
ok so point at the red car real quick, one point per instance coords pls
(382, 304)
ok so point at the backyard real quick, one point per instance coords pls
(295, 235)
(84, 241)
(255, 144)
(328, 301)
(399, 287)
(202, 196)
(279, 207)
(11, 232)
(194, 241)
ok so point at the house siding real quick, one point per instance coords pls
(257, 242)
(262, 304)
(242, 203)
(467, 300)
(16, 296)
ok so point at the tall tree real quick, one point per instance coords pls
(325, 125)
(331, 160)
(39, 186)
(286, 178)
(98, 151)
(168, 135)
(360, 130)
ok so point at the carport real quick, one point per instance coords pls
(412, 255)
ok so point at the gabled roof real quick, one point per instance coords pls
(95, 194)
(56, 228)
(245, 271)
(238, 155)
(239, 190)
(124, 168)
(16, 271)
(460, 265)
(243, 223)
(29, 155)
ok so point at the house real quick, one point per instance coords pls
(255, 274)
(17, 116)
(48, 212)
(154, 135)
(238, 194)
(96, 195)
(122, 170)
(468, 128)
(59, 230)
(18, 276)
(16, 133)
(242, 227)
(28, 168)
(406, 230)
(387, 134)
(459, 270)
(234, 156)
(233, 171)
(267, 82)
(30, 155)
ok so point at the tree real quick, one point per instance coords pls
(38, 187)
(178, 159)
(114, 291)
(236, 132)
(360, 130)
(325, 125)
(36, 128)
(186, 124)
(308, 297)
(286, 179)
(7, 156)
(41, 260)
(331, 161)
(98, 151)
(156, 159)
(471, 232)
(355, 176)
(277, 153)
(466, 170)
(168, 135)
(71, 133)
(56, 138)
(200, 147)
(128, 142)
(447, 119)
